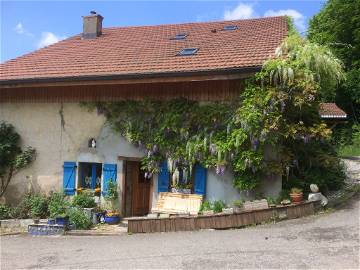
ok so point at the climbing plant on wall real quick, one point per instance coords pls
(278, 107)
(12, 157)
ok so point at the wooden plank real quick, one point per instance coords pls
(199, 90)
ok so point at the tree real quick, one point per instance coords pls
(337, 26)
(12, 157)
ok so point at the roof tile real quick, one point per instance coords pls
(149, 49)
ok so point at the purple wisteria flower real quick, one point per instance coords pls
(212, 149)
(155, 148)
(306, 139)
(220, 169)
(255, 143)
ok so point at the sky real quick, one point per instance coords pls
(29, 25)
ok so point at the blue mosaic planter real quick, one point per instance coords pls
(64, 221)
(44, 229)
(51, 221)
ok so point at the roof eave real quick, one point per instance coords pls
(150, 77)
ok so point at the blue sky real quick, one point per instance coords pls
(29, 25)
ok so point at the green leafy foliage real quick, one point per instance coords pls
(216, 206)
(79, 218)
(57, 204)
(112, 193)
(12, 157)
(38, 206)
(84, 200)
(296, 190)
(5, 211)
(337, 26)
(238, 203)
(205, 206)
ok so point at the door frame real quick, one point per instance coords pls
(124, 182)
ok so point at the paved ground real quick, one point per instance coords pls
(329, 241)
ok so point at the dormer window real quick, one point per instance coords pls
(230, 27)
(180, 36)
(188, 51)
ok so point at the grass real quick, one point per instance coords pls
(349, 150)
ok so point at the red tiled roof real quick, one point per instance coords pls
(149, 50)
(330, 110)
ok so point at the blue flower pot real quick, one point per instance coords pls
(112, 220)
(64, 221)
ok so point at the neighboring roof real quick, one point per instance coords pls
(150, 51)
(330, 111)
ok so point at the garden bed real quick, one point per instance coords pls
(220, 220)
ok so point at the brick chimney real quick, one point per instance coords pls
(92, 25)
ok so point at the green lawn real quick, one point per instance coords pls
(349, 150)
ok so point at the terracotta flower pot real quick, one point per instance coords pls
(296, 197)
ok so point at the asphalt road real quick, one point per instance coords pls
(327, 241)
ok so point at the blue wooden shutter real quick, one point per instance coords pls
(163, 178)
(109, 172)
(69, 177)
(200, 180)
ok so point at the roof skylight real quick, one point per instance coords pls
(180, 36)
(188, 51)
(230, 27)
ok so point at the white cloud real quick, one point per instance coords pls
(19, 29)
(299, 19)
(48, 38)
(241, 11)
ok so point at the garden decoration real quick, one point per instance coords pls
(278, 108)
(315, 195)
(296, 195)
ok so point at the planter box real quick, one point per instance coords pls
(208, 212)
(228, 211)
(219, 220)
(256, 205)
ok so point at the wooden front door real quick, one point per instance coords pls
(137, 190)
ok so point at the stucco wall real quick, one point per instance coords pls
(56, 131)
(60, 132)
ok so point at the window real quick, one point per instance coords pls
(90, 175)
(179, 36)
(188, 51)
(230, 27)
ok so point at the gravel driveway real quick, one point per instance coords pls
(329, 241)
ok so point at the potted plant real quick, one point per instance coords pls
(296, 195)
(58, 207)
(112, 216)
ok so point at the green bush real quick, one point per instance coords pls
(57, 204)
(218, 206)
(23, 209)
(238, 203)
(84, 200)
(79, 218)
(205, 206)
(5, 211)
(39, 206)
